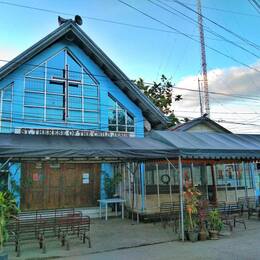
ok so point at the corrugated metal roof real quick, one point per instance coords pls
(211, 145)
(156, 145)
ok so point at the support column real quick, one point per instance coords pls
(181, 198)
(214, 183)
(244, 174)
(142, 173)
(158, 186)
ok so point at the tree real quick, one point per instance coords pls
(161, 94)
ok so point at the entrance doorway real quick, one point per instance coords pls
(59, 185)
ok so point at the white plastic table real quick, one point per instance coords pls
(111, 201)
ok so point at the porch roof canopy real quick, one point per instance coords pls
(211, 145)
(156, 145)
(41, 146)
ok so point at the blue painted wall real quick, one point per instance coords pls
(14, 180)
(105, 84)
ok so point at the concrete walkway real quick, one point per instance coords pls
(117, 239)
(108, 235)
(241, 244)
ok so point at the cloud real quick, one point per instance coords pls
(236, 81)
(7, 54)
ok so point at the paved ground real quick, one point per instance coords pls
(117, 239)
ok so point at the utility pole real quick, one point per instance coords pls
(203, 60)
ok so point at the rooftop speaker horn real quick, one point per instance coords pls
(78, 20)
(61, 20)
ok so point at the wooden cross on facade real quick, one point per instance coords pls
(66, 82)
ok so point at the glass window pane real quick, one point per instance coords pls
(34, 84)
(55, 66)
(240, 176)
(130, 129)
(75, 116)
(112, 128)
(111, 117)
(174, 176)
(87, 79)
(38, 72)
(75, 102)
(54, 114)
(196, 173)
(54, 88)
(33, 99)
(33, 113)
(54, 101)
(150, 174)
(75, 90)
(90, 91)
(121, 117)
(220, 175)
(122, 128)
(7, 93)
(130, 120)
(6, 109)
(230, 175)
(111, 103)
(74, 68)
(6, 126)
(162, 170)
(90, 104)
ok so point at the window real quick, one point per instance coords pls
(62, 89)
(6, 108)
(232, 175)
(119, 119)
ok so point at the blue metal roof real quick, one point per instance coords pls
(156, 145)
(211, 145)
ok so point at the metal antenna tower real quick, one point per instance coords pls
(203, 59)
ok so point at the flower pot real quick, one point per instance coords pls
(3, 255)
(203, 235)
(193, 236)
(213, 234)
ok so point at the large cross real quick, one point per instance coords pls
(66, 82)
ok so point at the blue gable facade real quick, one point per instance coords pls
(66, 85)
(29, 99)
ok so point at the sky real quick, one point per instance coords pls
(160, 47)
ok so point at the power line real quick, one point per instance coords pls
(255, 5)
(221, 10)
(221, 26)
(184, 34)
(246, 97)
(206, 27)
(98, 19)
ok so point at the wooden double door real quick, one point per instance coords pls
(59, 185)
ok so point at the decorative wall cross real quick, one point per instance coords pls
(66, 82)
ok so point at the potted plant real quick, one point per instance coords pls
(191, 196)
(111, 183)
(7, 209)
(202, 215)
(215, 224)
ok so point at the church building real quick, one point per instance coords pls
(65, 85)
